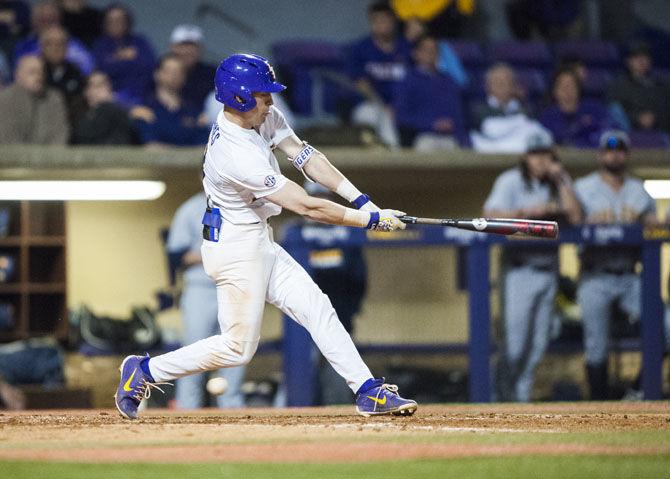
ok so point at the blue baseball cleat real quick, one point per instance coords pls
(376, 398)
(135, 385)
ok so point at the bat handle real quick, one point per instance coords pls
(412, 220)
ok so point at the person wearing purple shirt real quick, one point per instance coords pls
(14, 23)
(166, 119)
(377, 64)
(127, 58)
(427, 105)
(572, 120)
(45, 15)
(186, 43)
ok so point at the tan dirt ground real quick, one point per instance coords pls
(325, 434)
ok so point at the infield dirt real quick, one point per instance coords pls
(337, 434)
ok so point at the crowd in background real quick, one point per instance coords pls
(75, 74)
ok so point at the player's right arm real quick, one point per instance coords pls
(316, 167)
(293, 197)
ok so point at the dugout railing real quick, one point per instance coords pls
(300, 370)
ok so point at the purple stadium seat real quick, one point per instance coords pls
(470, 53)
(297, 59)
(307, 52)
(521, 54)
(596, 82)
(591, 52)
(649, 139)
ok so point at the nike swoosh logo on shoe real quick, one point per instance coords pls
(378, 401)
(127, 388)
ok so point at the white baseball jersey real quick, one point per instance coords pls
(241, 169)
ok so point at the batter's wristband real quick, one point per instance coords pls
(374, 220)
(361, 201)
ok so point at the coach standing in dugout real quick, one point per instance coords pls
(608, 277)
(539, 188)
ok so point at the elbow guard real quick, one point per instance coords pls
(300, 160)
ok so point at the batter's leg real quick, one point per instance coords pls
(293, 291)
(241, 270)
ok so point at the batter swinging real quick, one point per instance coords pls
(245, 187)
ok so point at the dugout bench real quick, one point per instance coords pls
(300, 371)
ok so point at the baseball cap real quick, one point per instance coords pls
(539, 141)
(186, 34)
(614, 140)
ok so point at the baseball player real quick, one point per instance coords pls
(198, 304)
(244, 188)
(538, 188)
(608, 276)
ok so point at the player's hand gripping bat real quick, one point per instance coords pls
(501, 226)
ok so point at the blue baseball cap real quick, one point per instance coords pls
(614, 140)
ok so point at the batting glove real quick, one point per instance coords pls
(386, 220)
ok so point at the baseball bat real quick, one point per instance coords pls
(501, 226)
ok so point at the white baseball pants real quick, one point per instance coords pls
(249, 268)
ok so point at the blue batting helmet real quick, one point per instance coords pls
(238, 76)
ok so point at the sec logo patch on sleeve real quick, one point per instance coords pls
(270, 181)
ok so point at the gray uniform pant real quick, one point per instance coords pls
(199, 317)
(529, 303)
(596, 294)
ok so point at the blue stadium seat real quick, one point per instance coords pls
(591, 52)
(521, 54)
(470, 53)
(649, 139)
(302, 64)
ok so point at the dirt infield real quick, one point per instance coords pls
(336, 434)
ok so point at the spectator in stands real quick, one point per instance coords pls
(572, 120)
(378, 63)
(644, 97)
(14, 24)
(81, 20)
(31, 111)
(127, 58)
(608, 278)
(538, 188)
(166, 119)
(45, 15)
(103, 122)
(504, 122)
(427, 104)
(445, 18)
(186, 43)
(60, 73)
(447, 61)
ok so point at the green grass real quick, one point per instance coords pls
(546, 467)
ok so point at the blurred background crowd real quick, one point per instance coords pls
(426, 75)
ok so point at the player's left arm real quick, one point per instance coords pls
(316, 167)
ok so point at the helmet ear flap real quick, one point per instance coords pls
(229, 92)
